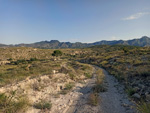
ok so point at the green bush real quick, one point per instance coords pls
(130, 91)
(43, 105)
(104, 62)
(69, 86)
(57, 53)
(21, 61)
(88, 75)
(126, 50)
(10, 59)
(33, 59)
(72, 76)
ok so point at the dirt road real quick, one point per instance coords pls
(114, 100)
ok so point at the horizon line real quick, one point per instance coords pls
(75, 42)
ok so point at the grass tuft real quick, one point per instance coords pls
(43, 105)
(12, 104)
(143, 107)
(93, 99)
(130, 91)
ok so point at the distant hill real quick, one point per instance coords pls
(144, 41)
(3, 45)
(55, 44)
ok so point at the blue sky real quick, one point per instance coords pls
(28, 21)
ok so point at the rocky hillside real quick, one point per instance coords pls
(3, 45)
(55, 44)
(144, 41)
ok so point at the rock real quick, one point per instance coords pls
(141, 86)
(4, 62)
(125, 105)
(136, 89)
(54, 71)
(136, 96)
(70, 102)
(82, 77)
(148, 97)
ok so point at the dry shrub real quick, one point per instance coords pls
(10, 103)
(143, 107)
(93, 99)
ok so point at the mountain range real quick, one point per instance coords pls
(55, 44)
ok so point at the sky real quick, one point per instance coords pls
(29, 21)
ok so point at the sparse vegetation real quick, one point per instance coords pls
(99, 84)
(129, 64)
(93, 99)
(126, 50)
(13, 73)
(12, 104)
(37, 86)
(130, 91)
(67, 88)
(43, 105)
(98, 87)
(143, 107)
(88, 75)
(72, 76)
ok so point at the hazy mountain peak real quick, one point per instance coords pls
(145, 37)
(54, 44)
(54, 41)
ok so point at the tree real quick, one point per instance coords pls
(126, 50)
(57, 53)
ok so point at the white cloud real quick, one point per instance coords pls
(136, 16)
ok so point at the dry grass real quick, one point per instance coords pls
(99, 84)
(12, 73)
(98, 87)
(10, 103)
(100, 76)
(113, 58)
(143, 107)
(43, 105)
(93, 99)
(37, 86)
(68, 87)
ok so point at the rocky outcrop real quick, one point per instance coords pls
(141, 87)
(4, 62)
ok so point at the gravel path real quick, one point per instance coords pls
(114, 100)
